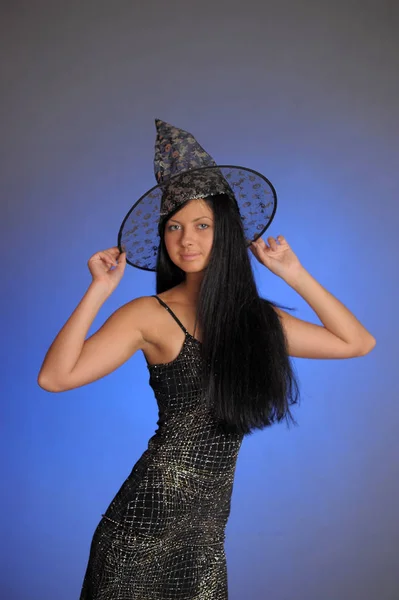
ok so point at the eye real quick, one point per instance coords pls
(170, 227)
(206, 225)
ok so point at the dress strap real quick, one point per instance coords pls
(171, 312)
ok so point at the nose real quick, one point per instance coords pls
(186, 238)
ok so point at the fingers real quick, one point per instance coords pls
(108, 258)
(274, 243)
(122, 261)
(260, 244)
(114, 251)
(111, 254)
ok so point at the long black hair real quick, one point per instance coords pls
(247, 374)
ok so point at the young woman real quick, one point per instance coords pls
(219, 362)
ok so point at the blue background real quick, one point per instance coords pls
(305, 92)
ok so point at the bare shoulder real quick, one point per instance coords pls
(141, 306)
(141, 313)
(147, 315)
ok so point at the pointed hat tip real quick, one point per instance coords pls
(161, 125)
(161, 122)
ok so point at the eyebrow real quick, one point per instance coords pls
(197, 219)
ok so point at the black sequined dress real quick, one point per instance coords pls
(162, 536)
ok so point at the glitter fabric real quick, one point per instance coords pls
(162, 537)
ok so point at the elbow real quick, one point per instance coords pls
(368, 346)
(48, 385)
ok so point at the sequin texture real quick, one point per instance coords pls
(162, 537)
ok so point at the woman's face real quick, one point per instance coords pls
(189, 236)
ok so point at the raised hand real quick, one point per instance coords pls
(108, 266)
(278, 256)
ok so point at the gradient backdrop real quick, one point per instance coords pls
(304, 91)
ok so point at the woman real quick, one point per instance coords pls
(219, 366)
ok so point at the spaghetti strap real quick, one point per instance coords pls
(171, 312)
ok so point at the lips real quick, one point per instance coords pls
(188, 256)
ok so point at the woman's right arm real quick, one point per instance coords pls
(72, 361)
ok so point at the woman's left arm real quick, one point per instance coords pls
(341, 335)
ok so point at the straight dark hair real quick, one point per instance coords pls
(248, 377)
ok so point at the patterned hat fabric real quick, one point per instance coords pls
(185, 171)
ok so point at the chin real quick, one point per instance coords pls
(192, 269)
(195, 266)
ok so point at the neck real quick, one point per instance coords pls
(191, 286)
